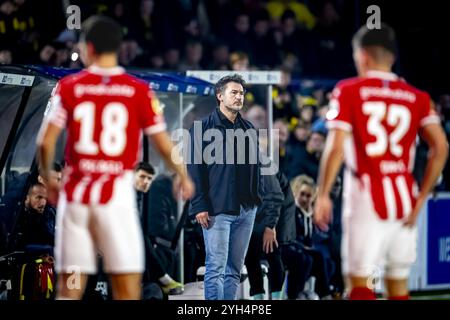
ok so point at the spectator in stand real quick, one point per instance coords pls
(239, 39)
(193, 55)
(281, 137)
(306, 160)
(257, 115)
(312, 245)
(306, 108)
(302, 13)
(144, 26)
(296, 40)
(284, 103)
(265, 51)
(171, 59)
(239, 61)
(6, 56)
(220, 56)
(8, 34)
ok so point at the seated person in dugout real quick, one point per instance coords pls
(36, 223)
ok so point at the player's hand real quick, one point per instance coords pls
(411, 220)
(203, 219)
(323, 212)
(269, 240)
(183, 185)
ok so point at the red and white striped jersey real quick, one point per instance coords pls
(383, 114)
(104, 112)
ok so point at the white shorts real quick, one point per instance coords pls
(371, 246)
(112, 230)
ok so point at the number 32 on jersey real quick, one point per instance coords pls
(397, 116)
(114, 121)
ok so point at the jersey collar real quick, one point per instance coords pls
(114, 71)
(382, 75)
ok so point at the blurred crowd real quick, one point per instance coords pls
(177, 35)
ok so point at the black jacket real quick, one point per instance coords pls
(277, 208)
(215, 183)
(37, 228)
(268, 212)
(286, 228)
(161, 218)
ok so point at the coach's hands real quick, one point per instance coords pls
(269, 240)
(323, 212)
(183, 186)
(203, 219)
(411, 220)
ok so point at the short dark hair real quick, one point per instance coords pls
(219, 87)
(145, 166)
(383, 37)
(36, 184)
(103, 32)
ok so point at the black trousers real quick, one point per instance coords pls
(299, 266)
(159, 260)
(303, 263)
(253, 263)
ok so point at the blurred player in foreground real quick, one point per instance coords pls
(104, 111)
(374, 120)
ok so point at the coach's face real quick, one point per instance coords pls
(232, 97)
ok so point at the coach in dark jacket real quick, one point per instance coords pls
(226, 173)
(221, 182)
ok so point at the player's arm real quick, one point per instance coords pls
(46, 143)
(164, 146)
(435, 137)
(330, 164)
(52, 125)
(46, 148)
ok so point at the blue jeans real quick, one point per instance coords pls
(226, 243)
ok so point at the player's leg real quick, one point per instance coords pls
(397, 289)
(126, 286)
(354, 253)
(363, 239)
(71, 286)
(75, 254)
(401, 255)
(359, 290)
(119, 238)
